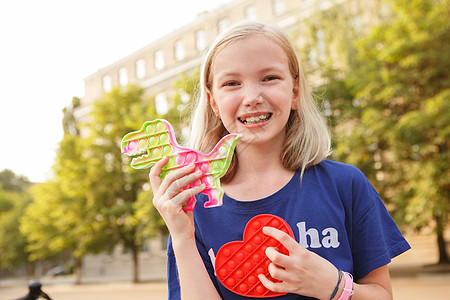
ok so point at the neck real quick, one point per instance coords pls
(259, 173)
(258, 160)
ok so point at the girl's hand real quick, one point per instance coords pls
(169, 198)
(302, 272)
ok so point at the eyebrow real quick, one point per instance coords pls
(264, 70)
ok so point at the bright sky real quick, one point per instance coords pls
(47, 49)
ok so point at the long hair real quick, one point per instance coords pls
(307, 141)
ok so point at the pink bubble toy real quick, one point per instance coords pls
(238, 263)
(156, 139)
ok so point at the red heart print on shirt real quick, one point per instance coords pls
(239, 263)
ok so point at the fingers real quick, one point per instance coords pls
(285, 239)
(180, 198)
(178, 181)
(301, 271)
(155, 180)
(173, 186)
(282, 263)
(274, 287)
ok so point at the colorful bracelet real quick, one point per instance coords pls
(337, 285)
(348, 286)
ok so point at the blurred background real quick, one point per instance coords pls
(78, 75)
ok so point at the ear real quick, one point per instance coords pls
(212, 103)
(295, 95)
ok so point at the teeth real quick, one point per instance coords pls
(256, 119)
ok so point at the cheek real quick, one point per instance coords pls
(227, 114)
(226, 105)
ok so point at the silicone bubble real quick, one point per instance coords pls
(238, 263)
(156, 139)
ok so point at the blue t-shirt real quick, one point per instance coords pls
(334, 211)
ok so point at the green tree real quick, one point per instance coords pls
(14, 197)
(60, 219)
(13, 182)
(396, 128)
(383, 81)
(404, 95)
(113, 185)
(40, 222)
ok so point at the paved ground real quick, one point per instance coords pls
(429, 287)
(412, 278)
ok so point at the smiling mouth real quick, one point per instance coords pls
(255, 118)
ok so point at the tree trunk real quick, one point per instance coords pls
(135, 253)
(443, 255)
(77, 269)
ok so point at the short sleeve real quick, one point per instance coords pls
(376, 238)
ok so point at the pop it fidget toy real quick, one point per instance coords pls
(156, 139)
(239, 263)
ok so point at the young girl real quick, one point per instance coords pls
(252, 83)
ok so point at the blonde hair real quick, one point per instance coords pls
(307, 140)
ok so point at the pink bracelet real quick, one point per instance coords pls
(348, 286)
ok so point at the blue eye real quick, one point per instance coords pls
(269, 78)
(231, 83)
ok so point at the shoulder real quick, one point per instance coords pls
(337, 167)
(345, 181)
(339, 172)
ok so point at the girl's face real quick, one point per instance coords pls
(252, 90)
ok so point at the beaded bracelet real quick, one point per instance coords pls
(337, 285)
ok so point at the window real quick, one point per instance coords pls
(312, 57)
(250, 13)
(161, 104)
(140, 69)
(200, 40)
(321, 46)
(278, 7)
(107, 83)
(180, 54)
(159, 60)
(356, 22)
(318, 53)
(123, 76)
(222, 25)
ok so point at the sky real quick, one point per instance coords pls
(48, 47)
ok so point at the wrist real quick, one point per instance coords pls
(347, 290)
(181, 242)
(338, 284)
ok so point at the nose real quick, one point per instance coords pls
(253, 95)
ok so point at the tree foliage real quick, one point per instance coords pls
(60, 219)
(14, 197)
(390, 117)
(404, 90)
(120, 194)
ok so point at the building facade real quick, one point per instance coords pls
(158, 64)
